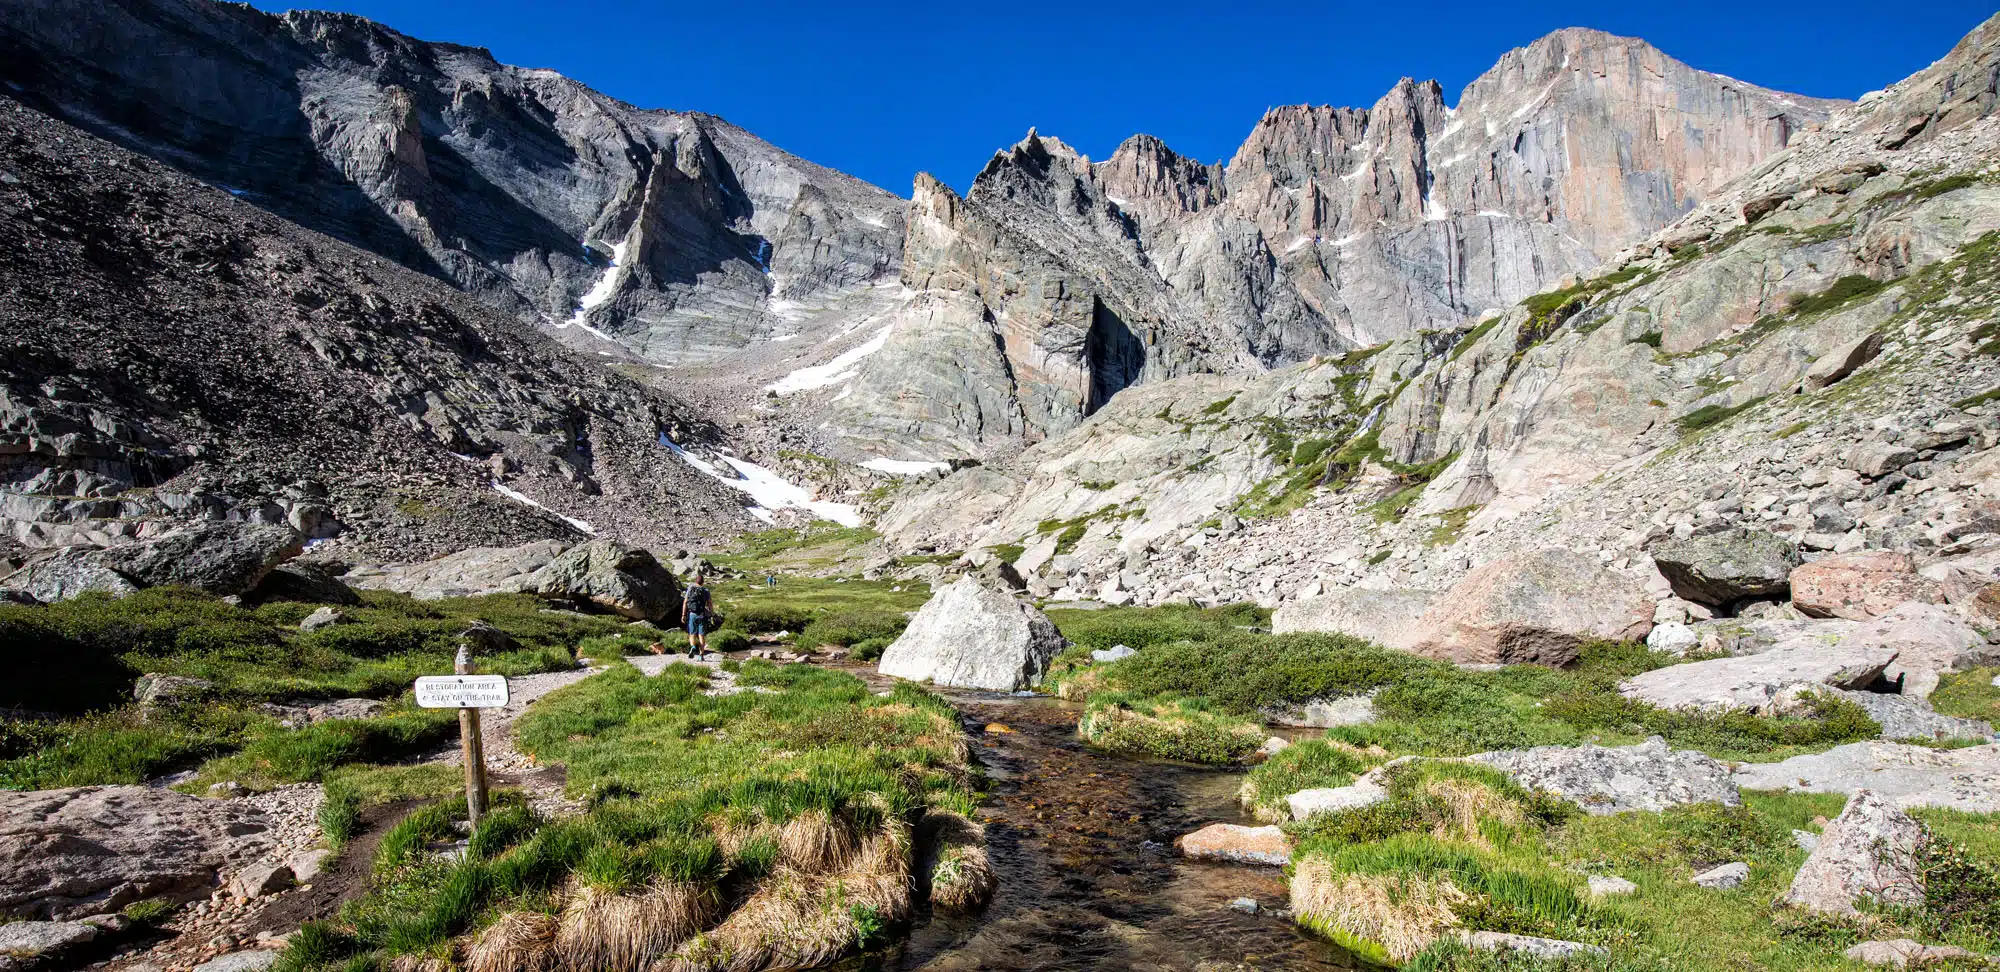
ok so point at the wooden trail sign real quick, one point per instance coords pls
(468, 693)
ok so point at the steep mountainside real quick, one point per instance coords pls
(1811, 351)
(1058, 281)
(168, 352)
(676, 236)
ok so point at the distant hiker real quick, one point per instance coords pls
(770, 580)
(695, 605)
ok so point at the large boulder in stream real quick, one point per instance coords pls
(972, 636)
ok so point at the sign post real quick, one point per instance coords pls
(468, 693)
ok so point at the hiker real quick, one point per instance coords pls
(695, 613)
(770, 580)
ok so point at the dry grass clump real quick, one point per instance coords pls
(1468, 809)
(815, 843)
(1388, 917)
(521, 941)
(961, 876)
(797, 919)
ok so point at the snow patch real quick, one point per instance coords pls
(767, 488)
(1119, 202)
(523, 499)
(833, 372)
(905, 467)
(875, 221)
(606, 286)
(1534, 102)
(1434, 211)
(783, 338)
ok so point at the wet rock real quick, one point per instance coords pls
(1248, 906)
(1904, 952)
(1725, 877)
(1726, 566)
(972, 636)
(1868, 852)
(1237, 844)
(610, 576)
(1859, 586)
(1387, 618)
(1899, 774)
(92, 850)
(1537, 607)
(1755, 683)
(1648, 776)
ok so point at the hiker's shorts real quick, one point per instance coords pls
(697, 625)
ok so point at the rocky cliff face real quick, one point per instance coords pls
(674, 236)
(170, 353)
(1808, 351)
(1331, 228)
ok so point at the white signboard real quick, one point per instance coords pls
(462, 691)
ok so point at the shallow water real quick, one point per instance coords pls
(1082, 842)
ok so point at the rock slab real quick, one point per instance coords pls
(82, 851)
(1895, 773)
(1859, 586)
(972, 636)
(1756, 683)
(1648, 776)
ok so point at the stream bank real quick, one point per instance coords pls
(1083, 844)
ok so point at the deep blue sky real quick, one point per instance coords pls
(886, 89)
